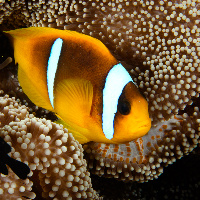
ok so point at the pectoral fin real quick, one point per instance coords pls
(73, 101)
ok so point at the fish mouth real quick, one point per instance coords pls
(146, 125)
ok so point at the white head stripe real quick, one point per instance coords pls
(52, 67)
(116, 80)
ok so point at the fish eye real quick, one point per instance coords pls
(124, 107)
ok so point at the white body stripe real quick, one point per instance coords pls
(52, 67)
(116, 80)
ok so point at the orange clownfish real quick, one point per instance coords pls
(76, 77)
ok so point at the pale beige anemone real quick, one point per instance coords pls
(49, 150)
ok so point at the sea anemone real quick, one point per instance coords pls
(46, 148)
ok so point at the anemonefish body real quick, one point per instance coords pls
(76, 77)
